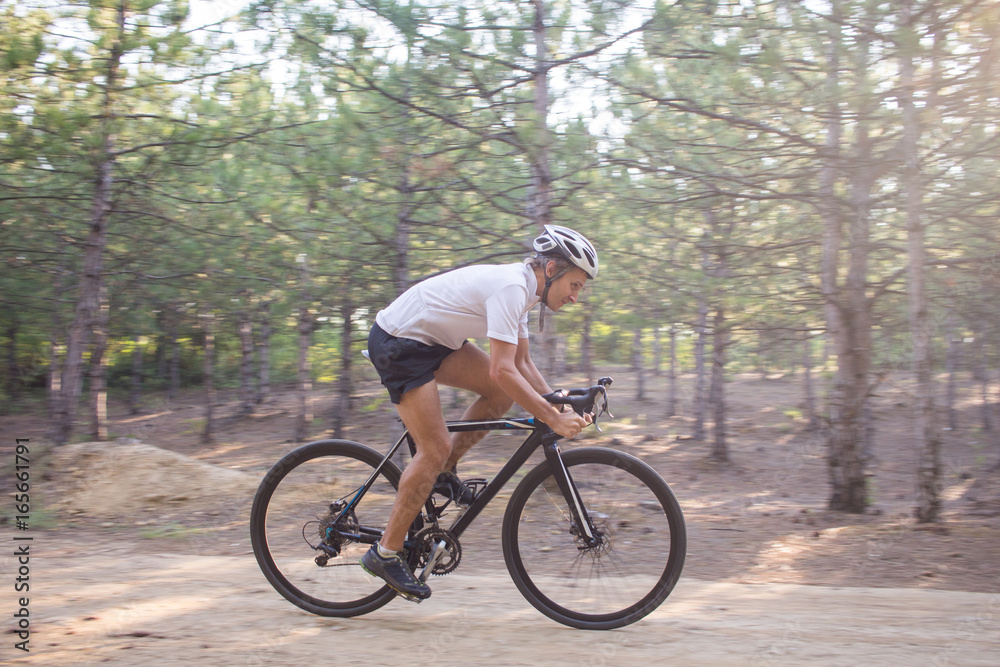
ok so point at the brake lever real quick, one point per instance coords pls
(601, 387)
(603, 409)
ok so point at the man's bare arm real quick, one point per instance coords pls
(505, 372)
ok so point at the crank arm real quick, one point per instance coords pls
(439, 550)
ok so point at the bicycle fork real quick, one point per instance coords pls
(581, 519)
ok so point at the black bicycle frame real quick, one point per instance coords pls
(540, 436)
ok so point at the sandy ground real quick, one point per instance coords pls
(140, 551)
(120, 606)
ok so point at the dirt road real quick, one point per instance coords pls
(141, 556)
(112, 604)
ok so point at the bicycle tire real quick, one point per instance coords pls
(643, 546)
(291, 510)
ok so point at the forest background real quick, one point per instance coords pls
(221, 194)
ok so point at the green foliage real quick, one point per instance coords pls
(403, 139)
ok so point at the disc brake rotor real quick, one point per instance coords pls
(346, 522)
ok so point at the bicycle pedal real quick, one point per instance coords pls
(461, 492)
(404, 595)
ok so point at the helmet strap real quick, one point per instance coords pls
(543, 305)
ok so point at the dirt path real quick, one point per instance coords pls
(141, 553)
(123, 607)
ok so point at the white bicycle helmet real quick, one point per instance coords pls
(574, 246)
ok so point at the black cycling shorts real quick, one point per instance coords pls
(403, 363)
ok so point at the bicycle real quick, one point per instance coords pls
(593, 538)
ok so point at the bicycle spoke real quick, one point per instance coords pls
(301, 521)
(627, 572)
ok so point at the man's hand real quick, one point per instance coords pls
(569, 424)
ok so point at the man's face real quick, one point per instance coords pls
(566, 288)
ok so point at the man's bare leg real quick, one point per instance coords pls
(420, 410)
(437, 449)
(469, 368)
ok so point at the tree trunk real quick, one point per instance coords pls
(13, 381)
(160, 360)
(56, 353)
(701, 327)
(952, 364)
(721, 231)
(849, 405)
(248, 395)
(135, 389)
(982, 376)
(345, 385)
(401, 268)
(672, 380)
(306, 326)
(552, 344)
(810, 391)
(98, 373)
(586, 344)
(208, 381)
(56, 347)
(700, 396)
(541, 205)
(175, 359)
(925, 432)
(92, 278)
(637, 365)
(264, 355)
(848, 307)
(847, 437)
(830, 166)
(720, 450)
(407, 204)
(761, 357)
(657, 348)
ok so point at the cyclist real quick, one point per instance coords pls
(419, 341)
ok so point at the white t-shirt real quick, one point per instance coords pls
(489, 300)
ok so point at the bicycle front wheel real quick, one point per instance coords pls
(299, 521)
(641, 545)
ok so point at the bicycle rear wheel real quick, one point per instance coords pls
(295, 511)
(628, 574)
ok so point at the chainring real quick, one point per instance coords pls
(424, 544)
